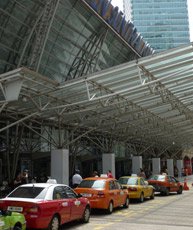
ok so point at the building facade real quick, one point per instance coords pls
(60, 40)
(162, 23)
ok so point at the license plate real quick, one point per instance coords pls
(86, 194)
(15, 209)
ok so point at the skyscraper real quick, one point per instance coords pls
(162, 23)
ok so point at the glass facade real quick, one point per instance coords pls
(59, 39)
(162, 23)
(62, 40)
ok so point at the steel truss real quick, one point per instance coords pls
(145, 103)
(87, 58)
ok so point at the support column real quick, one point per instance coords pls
(170, 167)
(180, 167)
(108, 163)
(136, 164)
(60, 165)
(156, 166)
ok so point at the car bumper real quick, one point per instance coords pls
(35, 222)
(134, 195)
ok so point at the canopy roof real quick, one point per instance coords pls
(149, 100)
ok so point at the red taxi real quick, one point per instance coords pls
(47, 205)
(103, 193)
(165, 184)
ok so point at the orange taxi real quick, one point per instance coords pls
(103, 193)
(137, 187)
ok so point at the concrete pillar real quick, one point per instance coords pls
(108, 163)
(170, 167)
(136, 164)
(156, 166)
(60, 165)
(179, 167)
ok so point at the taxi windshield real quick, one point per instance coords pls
(28, 192)
(128, 181)
(157, 177)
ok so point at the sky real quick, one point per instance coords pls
(119, 3)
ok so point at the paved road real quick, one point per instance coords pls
(163, 213)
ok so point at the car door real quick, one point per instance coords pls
(77, 207)
(62, 202)
(121, 197)
(144, 187)
(171, 184)
(113, 193)
(174, 184)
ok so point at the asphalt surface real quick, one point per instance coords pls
(173, 212)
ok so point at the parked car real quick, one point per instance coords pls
(137, 187)
(165, 184)
(12, 220)
(47, 205)
(103, 193)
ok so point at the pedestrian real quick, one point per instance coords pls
(17, 181)
(76, 179)
(186, 171)
(164, 172)
(176, 171)
(142, 173)
(33, 179)
(109, 174)
(24, 177)
(95, 174)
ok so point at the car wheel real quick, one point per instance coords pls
(110, 208)
(54, 223)
(152, 195)
(179, 190)
(126, 205)
(17, 228)
(86, 215)
(141, 199)
(167, 192)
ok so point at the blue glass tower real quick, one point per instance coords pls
(162, 23)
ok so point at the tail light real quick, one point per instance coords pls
(100, 194)
(33, 210)
(2, 204)
(132, 189)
